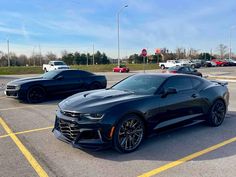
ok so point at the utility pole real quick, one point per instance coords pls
(93, 54)
(211, 55)
(8, 56)
(118, 32)
(40, 55)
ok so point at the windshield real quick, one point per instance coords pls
(50, 74)
(140, 84)
(174, 68)
(59, 63)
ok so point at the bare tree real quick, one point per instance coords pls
(50, 56)
(180, 52)
(222, 50)
(192, 53)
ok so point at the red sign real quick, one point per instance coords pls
(144, 53)
(158, 51)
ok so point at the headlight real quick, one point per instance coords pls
(93, 116)
(18, 87)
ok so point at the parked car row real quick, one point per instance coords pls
(197, 63)
(121, 116)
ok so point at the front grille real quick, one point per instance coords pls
(11, 87)
(70, 114)
(69, 129)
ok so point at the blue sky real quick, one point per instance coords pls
(75, 25)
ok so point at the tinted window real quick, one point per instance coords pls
(59, 63)
(185, 69)
(174, 68)
(50, 74)
(141, 84)
(75, 74)
(195, 82)
(180, 83)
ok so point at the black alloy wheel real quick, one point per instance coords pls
(36, 95)
(217, 113)
(129, 134)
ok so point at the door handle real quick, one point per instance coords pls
(194, 95)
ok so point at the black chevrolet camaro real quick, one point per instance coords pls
(53, 83)
(122, 115)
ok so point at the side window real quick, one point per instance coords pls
(180, 83)
(68, 74)
(195, 82)
(73, 74)
(184, 69)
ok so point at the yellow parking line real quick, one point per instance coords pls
(27, 131)
(39, 170)
(187, 158)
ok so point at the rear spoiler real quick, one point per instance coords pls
(223, 83)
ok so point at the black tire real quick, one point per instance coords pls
(216, 114)
(95, 86)
(36, 95)
(193, 66)
(129, 134)
(162, 67)
(45, 70)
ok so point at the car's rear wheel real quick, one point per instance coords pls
(129, 134)
(36, 95)
(162, 67)
(216, 114)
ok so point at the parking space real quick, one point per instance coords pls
(164, 151)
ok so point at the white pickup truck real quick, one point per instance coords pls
(169, 63)
(55, 65)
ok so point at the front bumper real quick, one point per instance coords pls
(82, 135)
(19, 94)
(11, 93)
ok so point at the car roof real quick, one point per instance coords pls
(167, 75)
(66, 70)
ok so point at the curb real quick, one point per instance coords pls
(221, 77)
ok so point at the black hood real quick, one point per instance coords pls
(25, 80)
(97, 100)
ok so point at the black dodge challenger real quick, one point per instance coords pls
(58, 82)
(122, 115)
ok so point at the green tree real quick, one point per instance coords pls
(205, 56)
(69, 58)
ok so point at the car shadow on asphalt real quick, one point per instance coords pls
(178, 142)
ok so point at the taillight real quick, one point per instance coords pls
(173, 71)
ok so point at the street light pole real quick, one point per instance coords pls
(230, 36)
(118, 31)
(8, 57)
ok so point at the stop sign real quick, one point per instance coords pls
(144, 53)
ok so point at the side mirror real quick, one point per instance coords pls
(52, 65)
(169, 91)
(60, 77)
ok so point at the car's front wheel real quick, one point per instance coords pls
(216, 114)
(36, 94)
(129, 134)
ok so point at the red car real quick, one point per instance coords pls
(220, 62)
(121, 69)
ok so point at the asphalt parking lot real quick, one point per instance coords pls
(29, 148)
